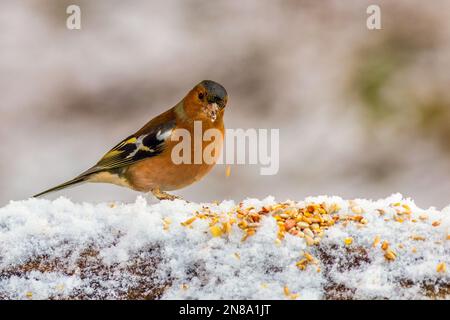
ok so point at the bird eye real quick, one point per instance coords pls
(201, 95)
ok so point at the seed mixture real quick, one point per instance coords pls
(318, 248)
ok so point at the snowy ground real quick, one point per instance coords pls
(319, 248)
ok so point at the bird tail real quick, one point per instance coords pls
(64, 185)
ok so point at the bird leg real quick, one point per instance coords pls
(161, 195)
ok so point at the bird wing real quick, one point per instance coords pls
(139, 146)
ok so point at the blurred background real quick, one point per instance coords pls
(361, 113)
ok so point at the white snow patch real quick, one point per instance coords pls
(192, 264)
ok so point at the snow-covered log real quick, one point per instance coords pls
(318, 248)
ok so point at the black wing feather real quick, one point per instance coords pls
(134, 148)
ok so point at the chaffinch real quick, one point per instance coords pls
(144, 160)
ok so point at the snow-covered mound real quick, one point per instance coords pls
(319, 248)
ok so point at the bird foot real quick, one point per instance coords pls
(161, 195)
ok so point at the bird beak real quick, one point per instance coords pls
(212, 109)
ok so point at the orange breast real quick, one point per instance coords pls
(161, 172)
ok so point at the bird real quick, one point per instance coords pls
(144, 160)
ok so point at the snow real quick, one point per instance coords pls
(61, 249)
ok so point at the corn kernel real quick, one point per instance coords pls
(390, 255)
(376, 241)
(441, 267)
(188, 221)
(348, 241)
(216, 231)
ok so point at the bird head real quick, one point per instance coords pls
(206, 101)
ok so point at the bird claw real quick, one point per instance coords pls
(161, 195)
